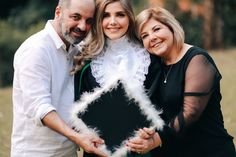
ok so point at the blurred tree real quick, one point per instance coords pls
(207, 23)
(229, 22)
(7, 5)
(171, 5)
(25, 16)
(213, 25)
(208, 20)
(202, 21)
(139, 5)
(21, 23)
(187, 13)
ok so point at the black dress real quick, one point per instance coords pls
(190, 100)
(102, 115)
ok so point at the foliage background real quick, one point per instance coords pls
(21, 18)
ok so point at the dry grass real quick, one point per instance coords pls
(225, 60)
(5, 121)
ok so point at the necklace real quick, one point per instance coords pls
(167, 74)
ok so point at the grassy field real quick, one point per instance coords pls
(225, 60)
(5, 121)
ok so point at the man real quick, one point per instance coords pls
(43, 90)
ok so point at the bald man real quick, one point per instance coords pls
(43, 89)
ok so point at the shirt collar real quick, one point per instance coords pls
(54, 35)
(73, 49)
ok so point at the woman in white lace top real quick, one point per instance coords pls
(112, 87)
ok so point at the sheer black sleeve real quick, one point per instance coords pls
(200, 79)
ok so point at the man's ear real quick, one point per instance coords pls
(58, 12)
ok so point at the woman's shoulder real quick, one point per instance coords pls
(194, 51)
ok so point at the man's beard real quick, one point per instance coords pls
(71, 39)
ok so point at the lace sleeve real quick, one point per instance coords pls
(199, 82)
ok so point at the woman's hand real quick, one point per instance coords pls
(146, 140)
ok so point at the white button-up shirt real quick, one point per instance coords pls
(42, 83)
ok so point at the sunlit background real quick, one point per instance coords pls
(210, 24)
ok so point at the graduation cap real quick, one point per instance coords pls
(115, 112)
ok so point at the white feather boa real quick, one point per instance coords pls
(133, 91)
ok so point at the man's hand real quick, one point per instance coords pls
(89, 142)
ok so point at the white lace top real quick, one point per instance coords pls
(121, 59)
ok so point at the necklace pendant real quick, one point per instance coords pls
(167, 74)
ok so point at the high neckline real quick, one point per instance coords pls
(122, 59)
(117, 44)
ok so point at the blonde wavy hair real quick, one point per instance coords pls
(95, 41)
(165, 17)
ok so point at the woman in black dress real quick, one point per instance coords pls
(188, 93)
(112, 85)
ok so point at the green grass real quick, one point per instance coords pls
(225, 60)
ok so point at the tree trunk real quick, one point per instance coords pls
(218, 32)
(207, 24)
(212, 33)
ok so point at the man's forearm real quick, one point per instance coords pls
(88, 142)
(54, 122)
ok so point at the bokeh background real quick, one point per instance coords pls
(210, 24)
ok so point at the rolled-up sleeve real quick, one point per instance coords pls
(41, 112)
(34, 78)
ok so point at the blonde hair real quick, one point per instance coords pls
(95, 41)
(165, 17)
